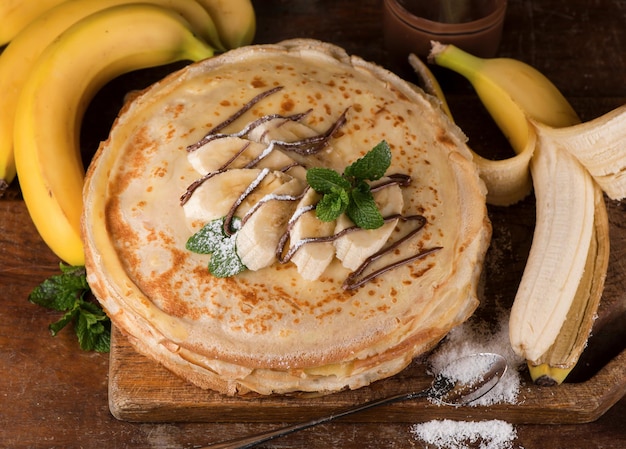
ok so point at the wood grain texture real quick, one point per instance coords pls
(141, 390)
(52, 395)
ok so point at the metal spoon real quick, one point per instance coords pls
(461, 382)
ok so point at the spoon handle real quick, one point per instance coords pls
(253, 440)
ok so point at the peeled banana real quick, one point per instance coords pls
(553, 310)
(312, 259)
(262, 230)
(56, 93)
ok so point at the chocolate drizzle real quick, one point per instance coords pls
(284, 257)
(399, 179)
(246, 130)
(313, 145)
(246, 107)
(353, 282)
(304, 147)
(231, 213)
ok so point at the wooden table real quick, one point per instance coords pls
(53, 395)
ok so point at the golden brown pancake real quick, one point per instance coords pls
(272, 330)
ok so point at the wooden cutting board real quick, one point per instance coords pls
(141, 390)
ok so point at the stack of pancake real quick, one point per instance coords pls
(274, 329)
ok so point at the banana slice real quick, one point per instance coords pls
(311, 258)
(281, 129)
(355, 247)
(224, 152)
(237, 152)
(216, 195)
(265, 224)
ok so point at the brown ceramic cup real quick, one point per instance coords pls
(473, 25)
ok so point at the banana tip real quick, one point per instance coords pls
(546, 381)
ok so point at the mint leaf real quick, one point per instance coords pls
(326, 180)
(66, 292)
(208, 239)
(93, 328)
(362, 209)
(59, 292)
(212, 239)
(373, 165)
(66, 319)
(332, 205)
(349, 192)
(225, 262)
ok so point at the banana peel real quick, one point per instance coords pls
(508, 181)
(552, 125)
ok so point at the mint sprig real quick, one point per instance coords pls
(212, 239)
(349, 192)
(67, 292)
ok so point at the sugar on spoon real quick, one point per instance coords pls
(462, 381)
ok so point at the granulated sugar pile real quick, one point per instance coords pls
(477, 336)
(472, 337)
(448, 434)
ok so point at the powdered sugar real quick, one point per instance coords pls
(449, 434)
(476, 336)
(469, 370)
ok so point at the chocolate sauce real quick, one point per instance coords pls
(246, 107)
(306, 146)
(209, 137)
(351, 282)
(313, 145)
(284, 257)
(251, 188)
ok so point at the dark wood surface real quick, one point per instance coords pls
(52, 395)
(140, 390)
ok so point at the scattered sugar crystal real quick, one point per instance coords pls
(462, 371)
(449, 434)
(475, 336)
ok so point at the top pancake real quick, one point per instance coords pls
(271, 330)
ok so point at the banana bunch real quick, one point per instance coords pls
(15, 15)
(54, 65)
(570, 165)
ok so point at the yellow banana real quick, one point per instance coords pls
(507, 180)
(511, 90)
(17, 14)
(564, 275)
(235, 20)
(51, 104)
(20, 55)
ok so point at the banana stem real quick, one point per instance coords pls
(455, 59)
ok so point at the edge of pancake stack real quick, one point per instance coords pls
(224, 146)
